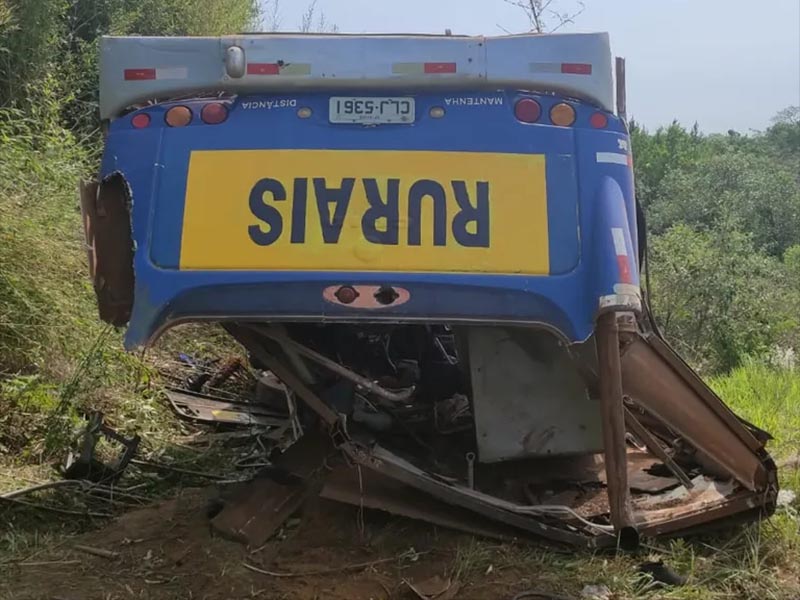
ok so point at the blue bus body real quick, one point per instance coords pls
(587, 263)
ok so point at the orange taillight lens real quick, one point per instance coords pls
(562, 114)
(178, 116)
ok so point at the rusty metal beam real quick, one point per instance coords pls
(659, 382)
(613, 418)
(653, 446)
(250, 340)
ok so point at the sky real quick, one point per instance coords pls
(725, 64)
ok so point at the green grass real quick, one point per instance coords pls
(767, 397)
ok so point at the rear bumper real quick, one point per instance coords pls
(174, 297)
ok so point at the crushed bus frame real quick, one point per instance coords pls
(492, 352)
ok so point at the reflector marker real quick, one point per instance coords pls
(616, 158)
(156, 74)
(621, 250)
(426, 68)
(278, 69)
(561, 68)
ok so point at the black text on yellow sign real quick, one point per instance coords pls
(414, 211)
(380, 222)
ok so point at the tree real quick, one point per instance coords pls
(716, 297)
(543, 15)
(50, 49)
(758, 195)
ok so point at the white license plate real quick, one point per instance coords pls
(371, 110)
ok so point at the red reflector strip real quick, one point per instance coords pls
(263, 69)
(621, 250)
(576, 68)
(139, 74)
(624, 269)
(439, 67)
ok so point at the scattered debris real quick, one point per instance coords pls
(102, 553)
(502, 422)
(208, 409)
(662, 574)
(435, 588)
(86, 465)
(538, 595)
(595, 592)
(786, 497)
(355, 567)
(261, 506)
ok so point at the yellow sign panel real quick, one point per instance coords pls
(359, 210)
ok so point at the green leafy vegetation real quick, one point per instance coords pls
(724, 223)
(56, 358)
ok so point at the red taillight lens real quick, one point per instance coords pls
(598, 120)
(140, 121)
(346, 294)
(178, 116)
(527, 110)
(214, 113)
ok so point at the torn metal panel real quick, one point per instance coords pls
(105, 209)
(529, 398)
(658, 381)
(385, 462)
(372, 490)
(204, 408)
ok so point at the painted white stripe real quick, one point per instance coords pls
(612, 157)
(545, 67)
(622, 301)
(619, 241)
(172, 73)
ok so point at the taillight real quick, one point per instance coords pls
(214, 113)
(562, 114)
(527, 110)
(598, 120)
(178, 116)
(140, 121)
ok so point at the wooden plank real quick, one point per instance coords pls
(258, 510)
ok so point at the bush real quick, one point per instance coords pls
(716, 297)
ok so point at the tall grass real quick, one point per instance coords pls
(56, 357)
(768, 397)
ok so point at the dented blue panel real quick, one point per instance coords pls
(572, 215)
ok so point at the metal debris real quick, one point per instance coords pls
(399, 405)
(434, 588)
(84, 464)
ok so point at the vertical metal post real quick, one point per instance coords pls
(613, 417)
(622, 101)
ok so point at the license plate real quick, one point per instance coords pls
(371, 110)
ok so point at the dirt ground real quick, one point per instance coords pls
(167, 551)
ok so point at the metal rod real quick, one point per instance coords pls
(471, 470)
(332, 365)
(653, 446)
(613, 419)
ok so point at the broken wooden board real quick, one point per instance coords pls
(258, 510)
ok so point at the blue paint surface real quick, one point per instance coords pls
(586, 198)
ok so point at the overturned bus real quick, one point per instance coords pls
(433, 242)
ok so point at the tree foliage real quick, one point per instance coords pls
(50, 46)
(724, 219)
